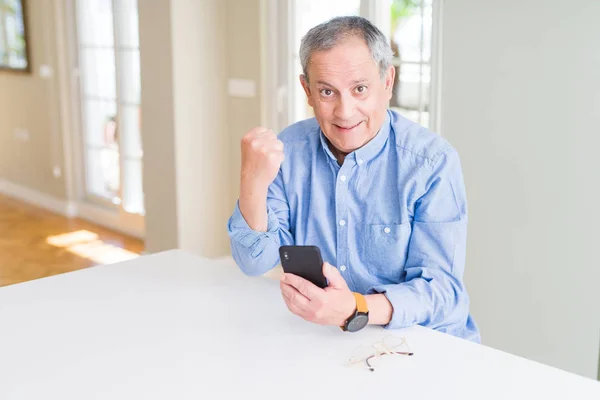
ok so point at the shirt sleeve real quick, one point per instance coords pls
(258, 252)
(433, 293)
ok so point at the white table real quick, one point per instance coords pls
(176, 326)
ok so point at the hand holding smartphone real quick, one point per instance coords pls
(304, 261)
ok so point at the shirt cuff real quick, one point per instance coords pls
(247, 237)
(402, 299)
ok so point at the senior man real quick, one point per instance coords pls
(381, 196)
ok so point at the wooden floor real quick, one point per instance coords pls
(35, 243)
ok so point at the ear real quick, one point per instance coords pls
(306, 87)
(390, 75)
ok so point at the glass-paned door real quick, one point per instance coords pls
(109, 70)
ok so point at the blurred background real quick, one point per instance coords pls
(120, 123)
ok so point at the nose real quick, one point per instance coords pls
(345, 107)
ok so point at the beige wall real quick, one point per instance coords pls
(201, 124)
(243, 62)
(520, 102)
(30, 102)
(158, 121)
(191, 127)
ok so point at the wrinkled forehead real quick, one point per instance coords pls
(348, 61)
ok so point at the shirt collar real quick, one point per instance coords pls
(325, 146)
(369, 150)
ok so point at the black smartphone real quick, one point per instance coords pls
(304, 261)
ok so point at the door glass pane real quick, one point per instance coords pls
(98, 73)
(130, 76)
(412, 91)
(407, 23)
(100, 123)
(309, 13)
(131, 140)
(411, 29)
(103, 173)
(95, 26)
(133, 194)
(126, 18)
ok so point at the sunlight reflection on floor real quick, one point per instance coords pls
(87, 245)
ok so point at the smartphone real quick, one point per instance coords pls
(304, 261)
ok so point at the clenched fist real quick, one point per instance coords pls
(262, 155)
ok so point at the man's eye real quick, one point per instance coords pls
(326, 92)
(361, 89)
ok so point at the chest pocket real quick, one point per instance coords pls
(385, 248)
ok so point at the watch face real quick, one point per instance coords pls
(358, 322)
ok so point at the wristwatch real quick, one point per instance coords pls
(360, 318)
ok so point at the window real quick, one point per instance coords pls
(410, 36)
(409, 25)
(109, 69)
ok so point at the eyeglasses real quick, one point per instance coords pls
(389, 345)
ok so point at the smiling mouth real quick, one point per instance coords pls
(347, 128)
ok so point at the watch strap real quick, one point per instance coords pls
(361, 303)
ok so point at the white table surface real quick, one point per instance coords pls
(176, 326)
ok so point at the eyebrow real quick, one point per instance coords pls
(354, 82)
(324, 83)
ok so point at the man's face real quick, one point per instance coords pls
(347, 93)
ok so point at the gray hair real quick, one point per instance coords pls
(327, 35)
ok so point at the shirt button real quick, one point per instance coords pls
(360, 161)
(342, 222)
(387, 230)
(343, 178)
(343, 268)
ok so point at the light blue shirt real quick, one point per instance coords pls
(392, 218)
